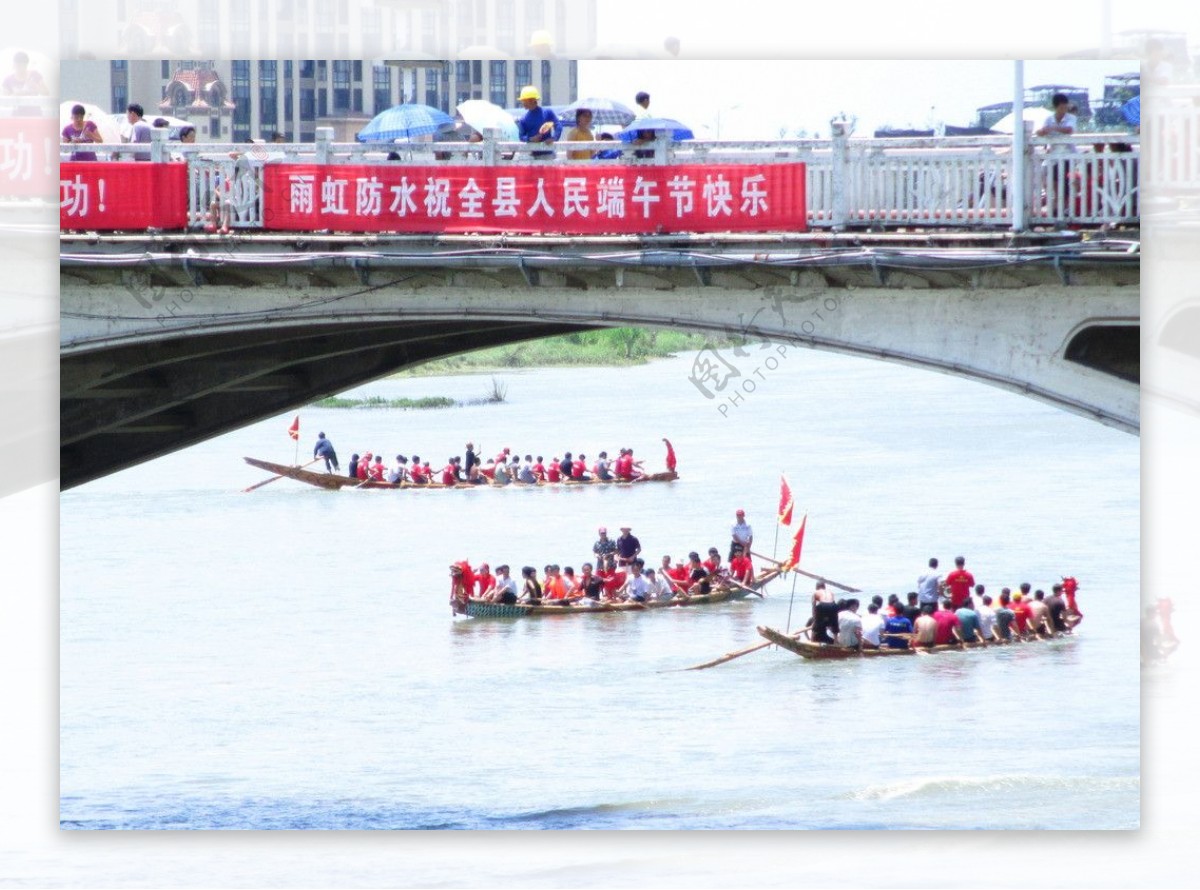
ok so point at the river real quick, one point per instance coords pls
(286, 658)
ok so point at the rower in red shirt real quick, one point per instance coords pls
(949, 626)
(1069, 586)
(377, 470)
(553, 587)
(959, 582)
(418, 473)
(485, 579)
(364, 467)
(1024, 614)
(579, 470)
(539, 469)
(611, 577)
(448, 474)
(741, 567)
(553, 474)
(623, 465)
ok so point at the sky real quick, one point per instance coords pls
(752, 99)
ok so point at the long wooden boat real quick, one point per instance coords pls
(832, 652)
(333, 481)
(479, 608)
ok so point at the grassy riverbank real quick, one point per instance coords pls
(611, 347)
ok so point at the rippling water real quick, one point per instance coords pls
(286, 658)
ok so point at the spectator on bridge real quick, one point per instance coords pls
(140, 131)
(80, 130)
(1061, 122)
(581, 132)
(539, 125)
(642, 100)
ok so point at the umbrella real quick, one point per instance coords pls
(481, 115)
(604, 111)
(94, 113)
(1030, 115)
(404, 122)
(678, 131)
(1132, 111)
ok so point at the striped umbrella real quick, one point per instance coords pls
(604, 112)
(404, 122)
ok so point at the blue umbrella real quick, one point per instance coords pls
(605, 112)
(404, 122)
(678, 131)
(1132, 111)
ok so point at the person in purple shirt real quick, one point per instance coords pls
(80, 130)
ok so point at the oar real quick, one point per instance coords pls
(730, 656)
(737, 583)
(280, 476)
(810, 574)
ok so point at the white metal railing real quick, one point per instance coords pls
(951, 182)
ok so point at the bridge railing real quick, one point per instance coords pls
(951, 182)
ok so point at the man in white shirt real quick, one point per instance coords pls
(872, 626)
(740, 535)
(850, 626)
(987, 615)
(641, 106)
(636, 587)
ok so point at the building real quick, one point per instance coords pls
(241, 99)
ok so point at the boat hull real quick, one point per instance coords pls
(334, 481)
(477, 608)
(830, 652)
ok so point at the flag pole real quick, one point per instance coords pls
(790, 601)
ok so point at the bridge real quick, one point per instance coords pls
(905, 253)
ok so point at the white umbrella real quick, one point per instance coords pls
(1035, 116)
(94, 113)
(481, 115)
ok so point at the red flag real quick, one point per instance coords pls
(670, 456)
(294, 429)
(797, 542)
(785, 502)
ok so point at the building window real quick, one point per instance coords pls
(381, 82)
(240, 93)
(322, 102)
(356, 100)
(308, 109)
(306, 68)
(287, 70)
(341, 86)
(498, 72)
(166, 70)
(524, 73)
(546, 72)
(433, 88)
(120, 97)
(357, 71)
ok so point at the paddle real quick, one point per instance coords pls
(280, 476)
(737, 583)
(730, 656)
(810, 574)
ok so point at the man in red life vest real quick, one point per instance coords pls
(1022, 613)
(611, 577)
(539, 469)
(417, 473)
(448, 473)
(959, 583)
(623, 465)
(364, 467)
(485, 580)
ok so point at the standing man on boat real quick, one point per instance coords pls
(929, 586)
(628, 547)
(324, 448)
(469, 458)
(741, 535)
(604, 547)
(959, 582)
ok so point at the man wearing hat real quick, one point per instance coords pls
(741, 535)
(628, 547)
(539, 124)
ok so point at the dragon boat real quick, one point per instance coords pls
(811, 651)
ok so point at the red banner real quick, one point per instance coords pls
(28, 156)
(122, 195)
(550, 199)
